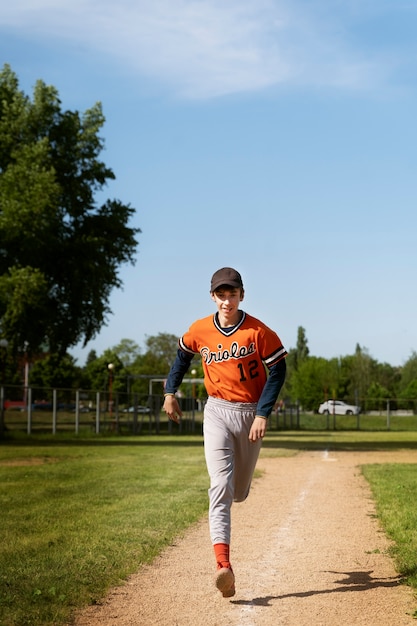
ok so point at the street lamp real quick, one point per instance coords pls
(3, 347)
(110, 367)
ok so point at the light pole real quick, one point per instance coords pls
(110, 367)
(3, 347)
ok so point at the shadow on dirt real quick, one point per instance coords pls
(350, 581)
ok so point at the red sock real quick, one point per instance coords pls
(222, 553)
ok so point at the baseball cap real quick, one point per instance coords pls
(226, 276)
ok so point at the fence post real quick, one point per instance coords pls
(77, 411)
(2, 427)
(29, 399)
(135, 415)
(97, 412)
(116, 410)
(54, 409)
(388, 416)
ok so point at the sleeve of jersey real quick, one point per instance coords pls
(178, 370)
(272, 388)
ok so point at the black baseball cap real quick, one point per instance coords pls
(226, 276)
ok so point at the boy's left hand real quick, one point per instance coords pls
(258, 429)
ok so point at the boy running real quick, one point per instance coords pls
(234, 348)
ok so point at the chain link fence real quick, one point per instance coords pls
(42, 410)
(35, 410)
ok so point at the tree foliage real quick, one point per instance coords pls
(98, 372)
(302, 350)
(160, 352)
(409, 373)
(163, 347)
(60, 252)
(315, 379)
(52, 372)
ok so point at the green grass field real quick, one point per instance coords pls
(394, 487)
(80, 514)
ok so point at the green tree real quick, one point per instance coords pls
(302, 350)
(315, 379)
(98, 372)
(296, 356)
(154, 363)
(377, 396)
(408, 373)
(52, 372)
(60, 252)
(160, 352)
(92, 356)
(162, 347)
(388, 376)
(409, 396)
(127, 351)
(408, 383)
(358, 372)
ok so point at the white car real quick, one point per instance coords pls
(336, 407)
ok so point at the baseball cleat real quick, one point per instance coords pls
(225, 582)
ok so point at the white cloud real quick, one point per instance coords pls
(203, 48)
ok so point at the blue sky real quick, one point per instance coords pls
(275, 136)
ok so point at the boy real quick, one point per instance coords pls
(234, 348)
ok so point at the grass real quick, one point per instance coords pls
(80, 514)
(394, 487)
(80, 517)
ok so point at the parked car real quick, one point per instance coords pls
(14, 405)
(139, 408)
(337, 407)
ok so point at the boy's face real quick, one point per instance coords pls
(227, 300)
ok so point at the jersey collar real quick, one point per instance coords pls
(231, 329)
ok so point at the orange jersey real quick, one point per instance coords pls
(233, 359)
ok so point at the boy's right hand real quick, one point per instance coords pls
(172, 408)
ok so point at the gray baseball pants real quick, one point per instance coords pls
(231, 459)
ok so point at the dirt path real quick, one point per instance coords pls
(307, 550)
